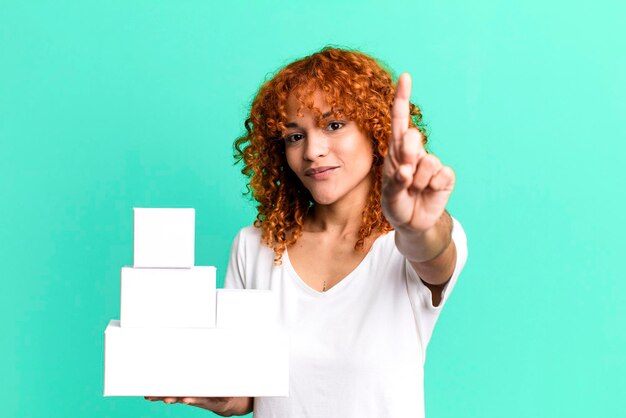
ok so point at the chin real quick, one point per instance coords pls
(319, 201)
(324, 199)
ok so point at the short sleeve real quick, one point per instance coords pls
(235, 273)
(421, 297)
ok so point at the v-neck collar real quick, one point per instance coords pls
(336, 288)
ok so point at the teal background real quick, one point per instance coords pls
(109, 105)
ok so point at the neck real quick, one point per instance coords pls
(335, 219)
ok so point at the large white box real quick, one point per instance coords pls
(168, 297)
(246, 308)
(195, 362)
(164, 237)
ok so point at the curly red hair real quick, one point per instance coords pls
(354, 85)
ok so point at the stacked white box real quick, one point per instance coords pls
(166, 342)
(163, 238)
(240, 308)
(195, 362)
(183, 298)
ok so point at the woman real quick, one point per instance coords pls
(352, 234)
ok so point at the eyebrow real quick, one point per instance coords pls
(295, 125)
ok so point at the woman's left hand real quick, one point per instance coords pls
(416, 185)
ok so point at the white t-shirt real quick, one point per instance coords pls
(358, 349)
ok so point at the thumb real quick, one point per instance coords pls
(399, 181)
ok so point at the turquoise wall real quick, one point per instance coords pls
(109, 105)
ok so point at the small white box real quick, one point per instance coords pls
(195, 362)
(164, 237)
(168, 297)
(246, 308)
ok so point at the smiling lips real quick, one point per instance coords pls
(319, 172)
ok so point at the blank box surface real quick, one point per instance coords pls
(195, 362)
(168, 297)
(163, 237)
(246, 308)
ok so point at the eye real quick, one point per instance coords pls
(293, 138)
(333, 126)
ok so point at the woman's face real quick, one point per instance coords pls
(333, 161)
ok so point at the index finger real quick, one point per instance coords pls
(400, 110)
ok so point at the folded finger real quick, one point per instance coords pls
(398, 181)
(170, 400)
(444, 179)
(426, 168)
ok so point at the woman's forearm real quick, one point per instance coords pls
(432, 253)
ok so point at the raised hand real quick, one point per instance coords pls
(416, 185)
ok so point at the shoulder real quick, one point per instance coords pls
(248, 241)
(250, 232)
(248, 235)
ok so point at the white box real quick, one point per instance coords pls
(168, 297)
(195, 362)
(246, 308)
(164, 237)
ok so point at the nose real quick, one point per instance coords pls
(317, 146)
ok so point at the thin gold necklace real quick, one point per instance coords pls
(324, 288)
